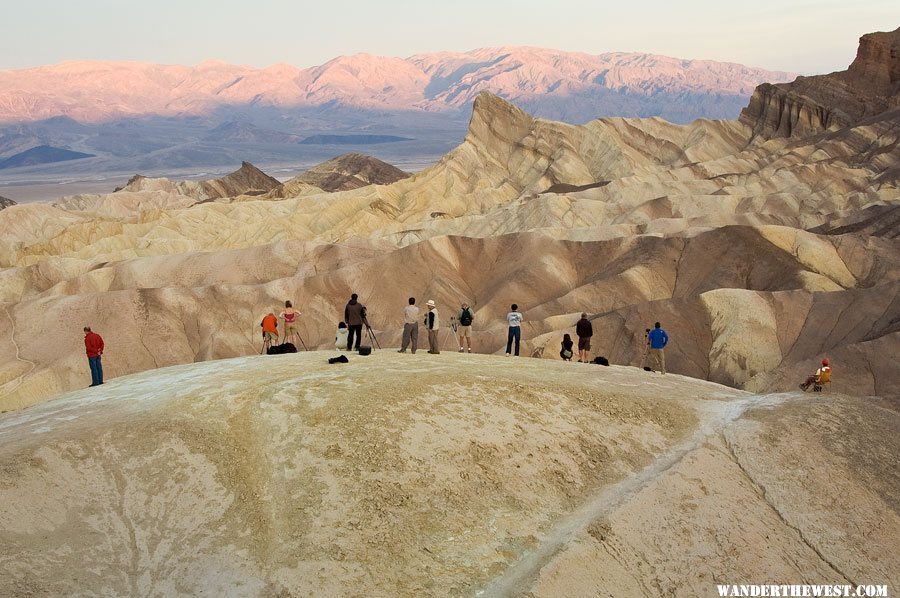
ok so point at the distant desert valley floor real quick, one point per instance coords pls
(81, 122)
(762, 244)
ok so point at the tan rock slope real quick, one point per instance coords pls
(703, 226)
(450, 475)
(146, 194)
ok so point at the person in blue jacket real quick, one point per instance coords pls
(658, 341)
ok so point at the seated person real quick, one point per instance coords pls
(566, 351)
(340, 339)
(822, 376)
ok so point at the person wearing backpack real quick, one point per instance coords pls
(465, 318)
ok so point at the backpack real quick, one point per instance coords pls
(601, 360)
(283, 348)
(465, 317)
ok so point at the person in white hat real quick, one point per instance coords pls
(433, 325)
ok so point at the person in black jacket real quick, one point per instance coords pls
(567, 345)
(354, 315)
(585, 331)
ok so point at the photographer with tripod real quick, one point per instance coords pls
(354, 315)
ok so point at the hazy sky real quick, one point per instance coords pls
(804, 36)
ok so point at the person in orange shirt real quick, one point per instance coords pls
(269, 330)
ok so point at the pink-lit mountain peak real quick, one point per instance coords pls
(94, 91)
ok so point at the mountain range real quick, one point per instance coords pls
(551, 83)
(139, 117)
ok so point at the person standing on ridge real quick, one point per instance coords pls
(584, 330)
(465, 317)
(289, 315)
(410, 327)
(354, 314)
(433, 324)
(269, 326)
(658, 341)
(514, 319)
(93, 346)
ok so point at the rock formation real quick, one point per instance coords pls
(350, 171)
(6, 202)
(808, 105)
(142, 194)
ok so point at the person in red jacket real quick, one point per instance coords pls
(93, 346)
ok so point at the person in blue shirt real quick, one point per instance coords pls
(658, 341)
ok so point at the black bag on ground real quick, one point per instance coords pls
(601, 360)
(365, 350)
(283, 348)
(339, 359)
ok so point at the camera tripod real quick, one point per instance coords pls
(454, 329)
(370, 334)
(267, 342)
(296, 335)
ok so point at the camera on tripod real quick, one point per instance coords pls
(370, 334)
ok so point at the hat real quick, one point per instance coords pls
(430, 303)
(825, 361)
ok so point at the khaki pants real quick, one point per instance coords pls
(410, 334)
(659, 358)
(433, 342)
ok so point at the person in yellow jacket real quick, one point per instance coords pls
(822, 376)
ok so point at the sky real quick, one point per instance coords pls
(808, 37)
